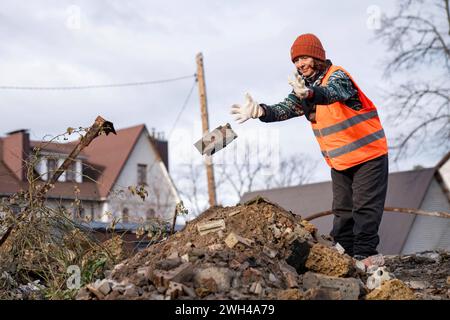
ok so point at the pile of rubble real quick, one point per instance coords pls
(253, 251)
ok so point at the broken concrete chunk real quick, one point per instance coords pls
(272, 278)
(256, 288)
(339, 248)
(360, 266)
(433, 257)
(309, 226)
(168, 264)
(275, 231)
(290, 274)
(145, 272)
(221, 276)
(348, 288)
(174, 290)
(161, 278)
(233, 239)
(211, 226)
(322, 294)
(93, 289)
(417, 285)
(189, 291)
(271, 253)
(234, 212)
(83, 294)
(131, 291)
(104, 287)
(328, 261)
(215, 247)
(378, 277)
(290, 294)
(392, 290)
(302, 233)
(173, 255)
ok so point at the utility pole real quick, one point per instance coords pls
(205, 127)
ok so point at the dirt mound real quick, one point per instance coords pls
(252, 251)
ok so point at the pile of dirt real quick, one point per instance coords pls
(253, 251)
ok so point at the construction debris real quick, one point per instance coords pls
(392, 290)
(211, 226)
(325, 260)
(255, 251)
(233, 239)
(378, 277)
(348, 288)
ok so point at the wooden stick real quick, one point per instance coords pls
(99, 125)
(419, 212)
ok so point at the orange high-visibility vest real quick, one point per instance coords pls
(348, 137)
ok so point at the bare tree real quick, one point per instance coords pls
(250, 173)
(191, 184)
(250, 168)
(242, 173)
(295, 170)
(419, 41)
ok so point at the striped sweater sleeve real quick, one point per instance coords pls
(290, 107)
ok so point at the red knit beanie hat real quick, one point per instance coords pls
(307, 45)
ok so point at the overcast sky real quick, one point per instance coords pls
(245, 46)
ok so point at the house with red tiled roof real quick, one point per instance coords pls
(98, 186)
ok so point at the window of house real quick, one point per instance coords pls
(79, 212)
(150, 214)
(142, 174)
(125, 215)
(51, 166)
(71, 172)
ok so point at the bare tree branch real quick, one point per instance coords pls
(420, 109)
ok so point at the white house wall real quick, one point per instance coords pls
(160, 194)
(93, 209)
(430, 233)
(445, 173)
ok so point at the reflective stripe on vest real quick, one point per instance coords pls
(354, 145)
(345, 124)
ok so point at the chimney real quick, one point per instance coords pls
(162, 146)
(16, 148)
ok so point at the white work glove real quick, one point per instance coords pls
(250, 109)
(298, 84)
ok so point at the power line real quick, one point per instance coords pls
(182, 109)
(114, 85)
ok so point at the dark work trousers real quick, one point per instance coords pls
(358, 202)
